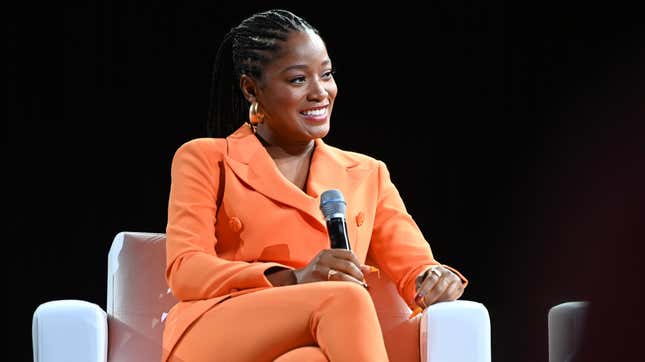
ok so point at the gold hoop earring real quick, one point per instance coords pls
(255, 117)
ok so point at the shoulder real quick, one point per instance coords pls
(204, 149)
(202, 145)
(355, 159)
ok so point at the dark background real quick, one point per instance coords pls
(514, 134)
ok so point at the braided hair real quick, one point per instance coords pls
(253, 44)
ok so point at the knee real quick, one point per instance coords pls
(307, 353)
(351, 294)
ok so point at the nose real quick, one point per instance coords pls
(317, 91)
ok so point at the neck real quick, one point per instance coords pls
(280, 150)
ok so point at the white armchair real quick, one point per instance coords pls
(138, 299)
(566, 325)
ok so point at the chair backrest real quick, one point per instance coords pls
(139, 298)
(566, 325)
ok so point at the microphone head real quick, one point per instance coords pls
(332, 204)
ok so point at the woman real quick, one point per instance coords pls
(248, 251)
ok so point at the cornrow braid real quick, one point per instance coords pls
(253, 44)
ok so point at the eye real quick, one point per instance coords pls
(329, 74)
(297, 80)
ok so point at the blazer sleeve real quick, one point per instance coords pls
(193, 268)
(397, 243)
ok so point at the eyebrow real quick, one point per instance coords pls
(303, 66)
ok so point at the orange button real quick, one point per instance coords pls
(235, 224)
(360, 218)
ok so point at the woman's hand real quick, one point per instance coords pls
(437, 284)
(333, 264)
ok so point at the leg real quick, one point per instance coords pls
(309, 354)
(402, 341)
(338, 317)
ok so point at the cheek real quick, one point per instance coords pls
(287, 98)
(284, 102)
(332, 90)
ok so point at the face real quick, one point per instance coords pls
(297, 91)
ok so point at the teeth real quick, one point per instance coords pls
(315, 112)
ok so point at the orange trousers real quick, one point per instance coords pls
(322, 321)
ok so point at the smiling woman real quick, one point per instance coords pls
(294, 96)
(247, 246)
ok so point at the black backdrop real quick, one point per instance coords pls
(513, 133)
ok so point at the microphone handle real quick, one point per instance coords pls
(337, 230)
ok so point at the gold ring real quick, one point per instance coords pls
(331, 273)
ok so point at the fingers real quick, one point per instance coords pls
(429, 287)
(345, 262)
(454, 291)
(349, 255)
(440, 285)
(420, 279)
(345, 254)
(336, 275)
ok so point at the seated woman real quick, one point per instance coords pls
(248, 251)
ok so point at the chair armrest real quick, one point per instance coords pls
(69, 330)
(457, 331)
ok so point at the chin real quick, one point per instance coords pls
(318, 131)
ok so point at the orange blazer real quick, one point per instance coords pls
(263, 220)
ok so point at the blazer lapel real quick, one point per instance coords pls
(328, 169)
(331, 169)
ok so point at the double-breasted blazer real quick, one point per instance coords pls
(232, 215)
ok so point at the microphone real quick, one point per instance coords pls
(332, 205)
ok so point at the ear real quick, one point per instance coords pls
(249, 87)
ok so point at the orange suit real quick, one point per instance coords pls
(232, 215)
